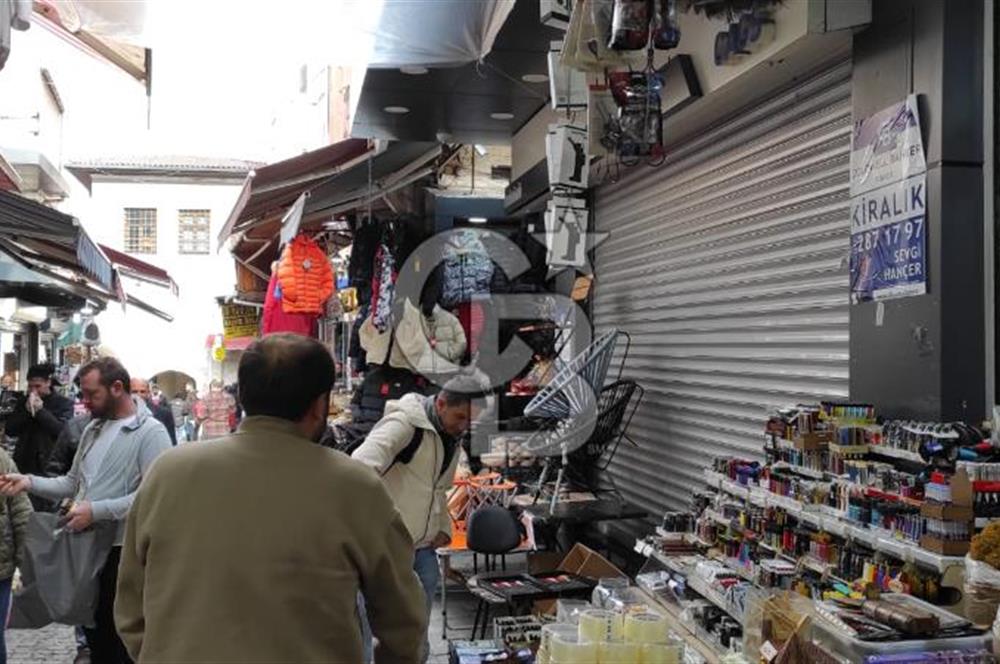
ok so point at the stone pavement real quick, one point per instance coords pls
(54, 644)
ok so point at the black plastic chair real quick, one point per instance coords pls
(616, 406)
(492, 531)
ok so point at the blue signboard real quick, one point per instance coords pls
(888, 205)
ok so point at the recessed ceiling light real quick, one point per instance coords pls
(396, 110)
(502, 116)
(535, 78)
(413, 70)
(477, 220)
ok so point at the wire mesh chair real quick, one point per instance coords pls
(617, 405)
(569, 406)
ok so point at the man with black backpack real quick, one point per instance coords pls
(414, 448)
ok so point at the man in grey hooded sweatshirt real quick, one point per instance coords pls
(116, 450)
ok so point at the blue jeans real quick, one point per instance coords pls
(425, 564)
(4, 610)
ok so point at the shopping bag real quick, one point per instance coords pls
(59, 573)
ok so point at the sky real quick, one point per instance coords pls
(221, 68)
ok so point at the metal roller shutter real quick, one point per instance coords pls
(728, 266)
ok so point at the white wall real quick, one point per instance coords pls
(105, 108)
(145, 343)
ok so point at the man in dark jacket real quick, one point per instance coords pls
(140, 388)
(66, 444)
(36, 423)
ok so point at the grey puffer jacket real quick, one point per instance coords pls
(14, 514)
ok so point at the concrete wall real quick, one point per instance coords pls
(927, 358)
(146, 344)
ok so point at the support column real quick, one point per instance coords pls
(925, 357)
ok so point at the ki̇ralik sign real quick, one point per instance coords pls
(888, 205)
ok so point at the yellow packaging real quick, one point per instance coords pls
(660, 653)
(645, 628)
(572, 650)
(619, 653)
(555, 629)
(600, 626)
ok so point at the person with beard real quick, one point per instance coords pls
(253, 548)
(163, 414)
(116, 451)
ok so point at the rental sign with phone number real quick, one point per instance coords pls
(888, 205)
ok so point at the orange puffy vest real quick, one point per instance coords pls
(305, 277)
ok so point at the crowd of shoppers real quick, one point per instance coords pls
(208, 562)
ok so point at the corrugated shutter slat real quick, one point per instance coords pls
(727, 265)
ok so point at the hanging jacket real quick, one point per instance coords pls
(423, 344)
(276, 320)
(383, 288)
(467, 271)
(305, 277)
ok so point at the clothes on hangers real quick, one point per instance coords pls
(467, 271)
(276, 320)
(305, 276)
(422, 344)
(383, 288)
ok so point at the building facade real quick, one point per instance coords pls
(168, 212)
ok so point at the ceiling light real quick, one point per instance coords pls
(77, 319)
(502, 116)
(477, 220)
(481, 150)
(535, 78)
(414, 70)
(396, 110)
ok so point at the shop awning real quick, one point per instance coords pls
(130, 266)
(445, 33)
(53, 237)
(344, 189)
(269, 190)
(9, 178)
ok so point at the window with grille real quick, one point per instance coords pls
(140, 230)
(193, 232)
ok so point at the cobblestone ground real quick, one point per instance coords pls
(52, 645)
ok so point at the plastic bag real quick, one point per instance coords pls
(982, 592)
(666, 29)
(630, 25)
(60, 573)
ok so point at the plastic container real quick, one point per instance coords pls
(829, 635)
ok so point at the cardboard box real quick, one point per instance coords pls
(945, 547)
(947, 512)
(813, 441)
(586, 562)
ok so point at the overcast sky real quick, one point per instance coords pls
(222, 67)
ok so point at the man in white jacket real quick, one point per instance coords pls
(414, 448)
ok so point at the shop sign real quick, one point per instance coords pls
(239, 320)
(888, 205)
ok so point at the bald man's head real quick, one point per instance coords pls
(140, 388)
(283, 375)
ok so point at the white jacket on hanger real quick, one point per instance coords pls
(425, 345)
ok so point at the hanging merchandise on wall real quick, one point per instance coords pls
(566, 221)
(630, 25)
(640, 124)
(888, 205)
(566, 148)
(568, 87)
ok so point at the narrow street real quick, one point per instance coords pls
(52, 645)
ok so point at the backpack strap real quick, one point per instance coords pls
(406, 454)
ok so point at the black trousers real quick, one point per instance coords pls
(106, 646)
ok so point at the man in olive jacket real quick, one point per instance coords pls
(252, 548)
